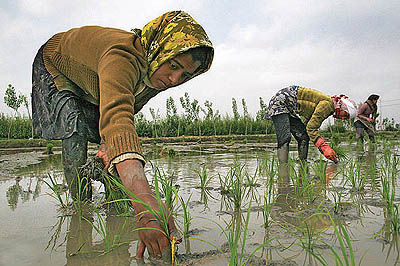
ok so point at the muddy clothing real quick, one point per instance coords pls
(110, 68)
(59, 114)
(107, 77)
(296, 101)
(287, 125)
(366, 110)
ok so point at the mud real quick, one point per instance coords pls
(38, 233)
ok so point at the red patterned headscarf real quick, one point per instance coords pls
(344, 103)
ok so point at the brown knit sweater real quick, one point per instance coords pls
(104, 66)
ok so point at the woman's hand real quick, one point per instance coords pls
(102, 153)
(155, 240)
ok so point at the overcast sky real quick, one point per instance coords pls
(345, 46)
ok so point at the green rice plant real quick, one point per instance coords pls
(265, 165)
(113, 195)
(320, 170)
(225, 183)
(394, 219)
(271, 168)
(337, 195)
(187, 218)
(388, 194)
(251, 180)
(372, 170)
(169, 190)
(236, 235)
(205, 179)
(82, 189)
(302, 185)
(161, 214)
(309, 237)
(269, 199)
(237, 191)
(390, 165)
(49, 148)
(335, 140)
(110, 241)
(57, 191)
(347, 254)
(356, 177)
(342, 153)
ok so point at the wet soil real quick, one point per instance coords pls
(38, 233)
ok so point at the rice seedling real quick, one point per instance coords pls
(250, 180)
(236, 235)
(113, 195)
(268, 201)
(337, 195)
(302, 185)
(347, 254)
(57, 191)
(49, 148)
(187, 218)
(238, 191)
(356, 177)
(205, 179)
(163, 212)
(110, 240)
(168, 189)
(80, 200)
(388, 194)
(394, 219)
(309, 236)
(320, 170)
(372, 170)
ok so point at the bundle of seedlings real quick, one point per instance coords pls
(94, 170)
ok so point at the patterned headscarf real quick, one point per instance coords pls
(169, 35)
(344, 103)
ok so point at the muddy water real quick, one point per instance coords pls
(35, 231)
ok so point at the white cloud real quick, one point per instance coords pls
(350, 46)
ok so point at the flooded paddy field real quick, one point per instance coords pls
(236, 204)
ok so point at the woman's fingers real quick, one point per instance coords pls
(140, 250)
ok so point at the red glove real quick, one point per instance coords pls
(327, 151)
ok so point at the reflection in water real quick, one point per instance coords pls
(17, 191)
(294, 217)
(83, 247)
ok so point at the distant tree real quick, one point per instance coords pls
(26, 104)
(235, 110)
(246, 115)
(155, 118)
(13, 102)
(263, 109)
(210, 115)
(185, 102)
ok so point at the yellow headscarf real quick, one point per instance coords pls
(171, 34)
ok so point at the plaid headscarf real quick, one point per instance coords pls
(169, 35)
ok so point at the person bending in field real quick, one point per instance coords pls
(89, 82)
(289, 103)
(365, 119)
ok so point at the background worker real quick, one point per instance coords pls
(89, 82)
(365, 119)
(289, 103)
